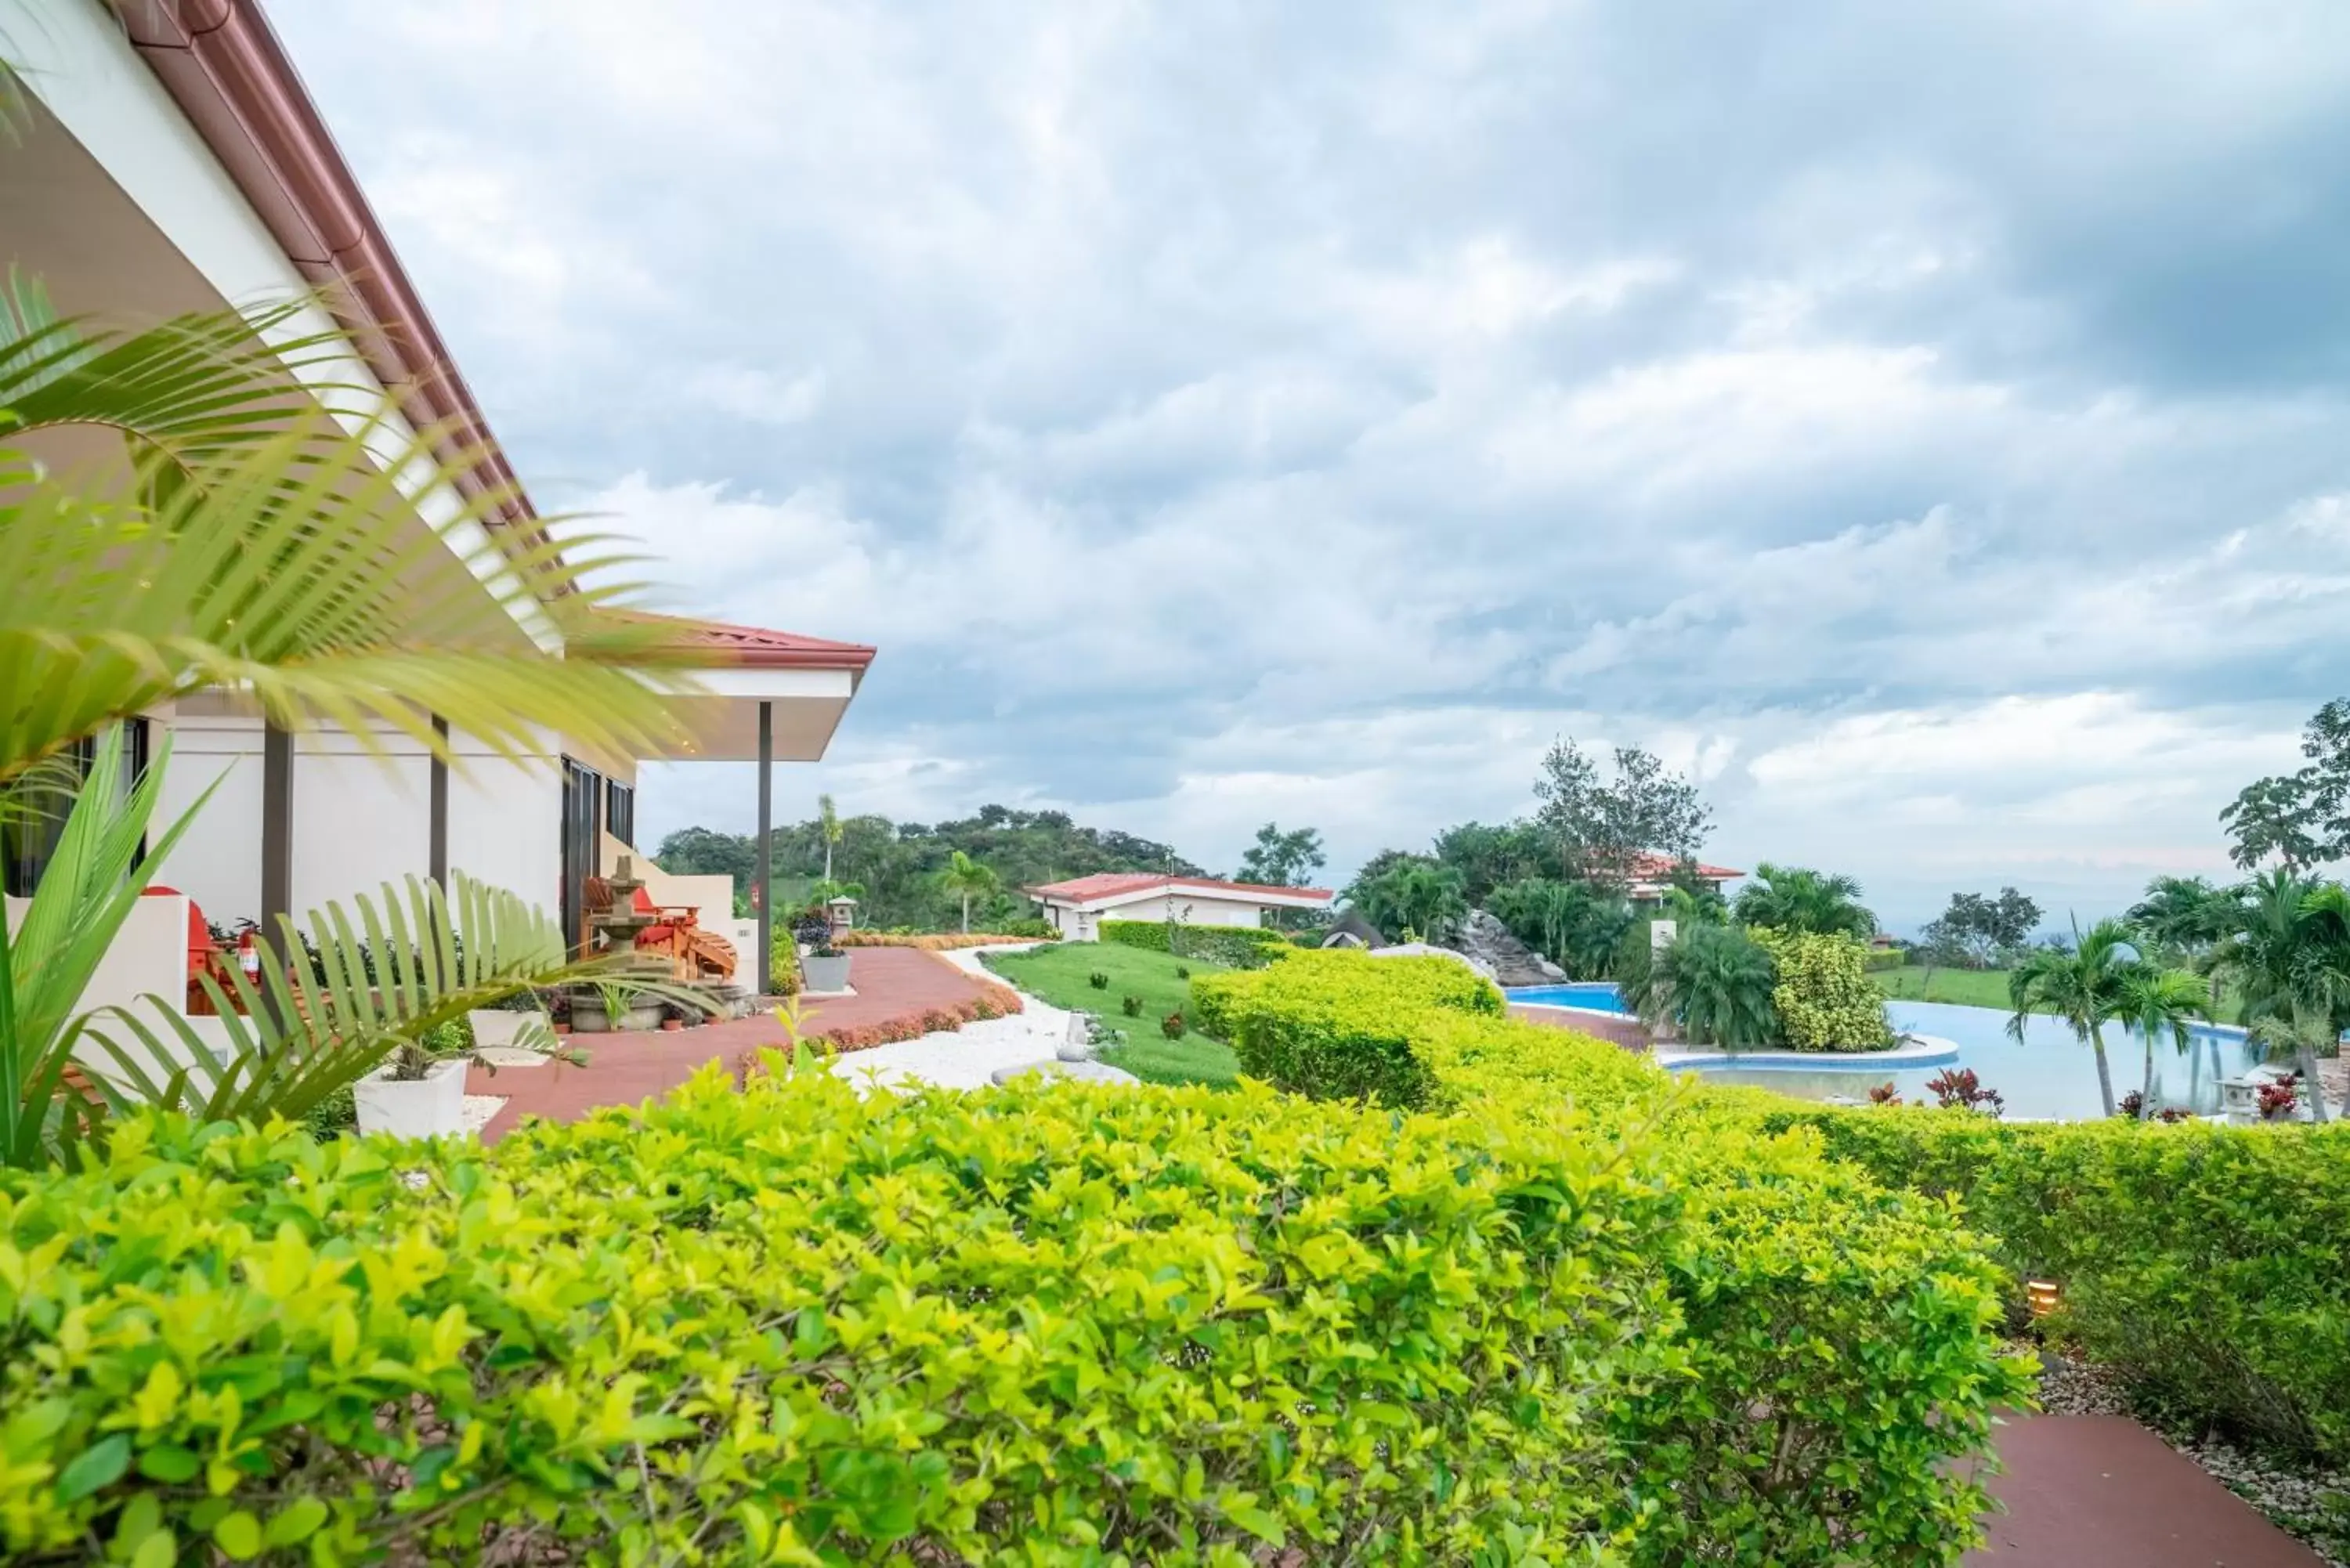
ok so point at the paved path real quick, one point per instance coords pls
(889, 983)
(2102, 1491)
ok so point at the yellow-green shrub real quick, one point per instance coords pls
(2210, 1265)
(1243, 947)
(794, 1323)
(1839, 1344)
(1822, 993)
(1336, 1025)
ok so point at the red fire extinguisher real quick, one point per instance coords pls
(248, 956)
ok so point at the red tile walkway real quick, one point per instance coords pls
(2102, 1491)
(626, 1069)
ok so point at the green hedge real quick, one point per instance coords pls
(1241, 946)
(2210, 1265)
(1338, 1025)
(1839, 1334)
(1885, 957)
(798, 1324)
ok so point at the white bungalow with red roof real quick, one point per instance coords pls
(1652, 874)
(164, 158)
(1076, 908)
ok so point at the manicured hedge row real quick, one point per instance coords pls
(942, 941)
(2209, 1264)
(1839, 1334)
(1242, 947)
(799, 1324)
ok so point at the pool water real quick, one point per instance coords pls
(2048, 1075)
(1599, 995)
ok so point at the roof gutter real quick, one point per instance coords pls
(225, 69)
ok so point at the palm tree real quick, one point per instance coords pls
(1712, 987)
(2288, 965)
(967, 878)
(2082, 984)
(259, 549)
(2154, 1001)
(1793, 899)
(2187, 917)
(828, 820)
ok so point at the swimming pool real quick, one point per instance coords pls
(2048, 1075)
(1599, 995)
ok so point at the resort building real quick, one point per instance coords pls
(165, 159)
(1652, 874)
(1076, 908)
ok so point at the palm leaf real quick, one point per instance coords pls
(315, 1026)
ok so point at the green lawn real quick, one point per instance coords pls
(1058, 974)
(1967, 987)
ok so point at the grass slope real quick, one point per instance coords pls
(1058, 974)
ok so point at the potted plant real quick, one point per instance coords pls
(420, 1090)
(825, 967)
(616, 1006)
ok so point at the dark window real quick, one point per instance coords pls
(620, 812)
(29, 833)
(583, 793)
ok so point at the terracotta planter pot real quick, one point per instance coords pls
(671, 1025)
(562, 1028)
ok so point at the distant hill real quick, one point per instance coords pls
(898, 863)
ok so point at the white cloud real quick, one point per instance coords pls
(1307, 413)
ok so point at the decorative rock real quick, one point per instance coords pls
(1077, 1043)
(1500, 955)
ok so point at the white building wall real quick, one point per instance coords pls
(217, 862)
(506, 824)
(360, 821)
(1191, 909)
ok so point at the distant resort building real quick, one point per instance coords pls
(1652, 874)
(1076, 908)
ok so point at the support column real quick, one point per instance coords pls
(763, 894)
(276, 831)
(438, 855)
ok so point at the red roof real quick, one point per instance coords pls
(756, 648)
(1658, 868)
(1111, 884)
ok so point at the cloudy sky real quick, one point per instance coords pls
(1926, 423)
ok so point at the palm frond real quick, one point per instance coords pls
(329, 1009)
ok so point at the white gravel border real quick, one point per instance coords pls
(965, 1058)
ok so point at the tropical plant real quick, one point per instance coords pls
(967, 878)
(1413, 894)
(1279, 859)
(2156, 1001)
(1712, 987)
(301, 1031)
(1575, 924)
(266, 549)
(828, 820)
(2289, 966)
(1796, 899)
(2081, 983)
(1960, 1089)
(278, 555)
